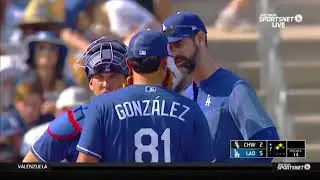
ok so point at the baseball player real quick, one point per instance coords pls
(145, 122)
(229, 103)
(105, 66)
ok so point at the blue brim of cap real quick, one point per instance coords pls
(174, 39)
(177, 38)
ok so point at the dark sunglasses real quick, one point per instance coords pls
(173, 31)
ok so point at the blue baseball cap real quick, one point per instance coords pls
(182, 25)
(148, 43)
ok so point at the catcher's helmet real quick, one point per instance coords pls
(104, 55)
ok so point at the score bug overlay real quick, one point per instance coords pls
(265, 149)
(247, 149)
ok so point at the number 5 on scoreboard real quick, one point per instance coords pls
(152, 147)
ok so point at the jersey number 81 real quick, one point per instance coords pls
(152, 147)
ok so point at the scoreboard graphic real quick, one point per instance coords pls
(264, 149)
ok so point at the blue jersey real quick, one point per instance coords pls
(145, 124)
(11, 124)
(233, 112)
(59, 142)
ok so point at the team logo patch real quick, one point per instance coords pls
(142, 53)
(150, 89)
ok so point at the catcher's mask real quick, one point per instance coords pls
(104, 55)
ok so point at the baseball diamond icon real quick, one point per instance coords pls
(280, 145)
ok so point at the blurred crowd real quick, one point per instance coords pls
(40, 42)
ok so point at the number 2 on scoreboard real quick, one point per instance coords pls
(152, 147)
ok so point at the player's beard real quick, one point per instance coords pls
(189, 64)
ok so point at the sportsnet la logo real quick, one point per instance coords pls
(280, 21)
(293, 167)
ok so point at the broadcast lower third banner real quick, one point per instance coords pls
(275, 167)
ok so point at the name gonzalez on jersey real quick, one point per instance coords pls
(148, 107)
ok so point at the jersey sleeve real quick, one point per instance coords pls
(31, 137)
(91, 139)
(202, 150)
(54, 144)
(49, 149)
(248, 112)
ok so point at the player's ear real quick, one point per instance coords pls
(201, 38)
(90, 85)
